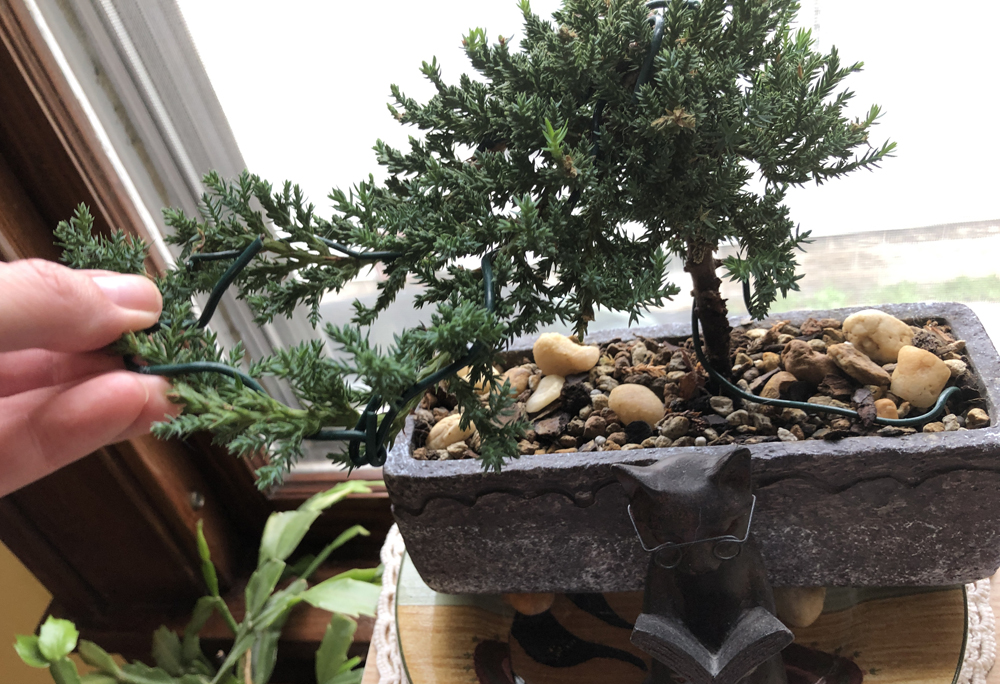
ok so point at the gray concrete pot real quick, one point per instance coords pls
(922, 509)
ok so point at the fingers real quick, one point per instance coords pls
(28, 369)
(45, 429)
(49, 306)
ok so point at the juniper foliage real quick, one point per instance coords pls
(576, 182)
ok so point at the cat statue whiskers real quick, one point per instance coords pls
(708, 610)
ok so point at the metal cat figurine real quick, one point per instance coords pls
(708, 610)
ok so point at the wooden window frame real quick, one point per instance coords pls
(112, 536)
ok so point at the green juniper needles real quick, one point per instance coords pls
(578, 178)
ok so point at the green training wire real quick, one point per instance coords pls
(734, 391)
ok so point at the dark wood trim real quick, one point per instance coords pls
(112, 536)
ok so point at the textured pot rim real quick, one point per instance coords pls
(413, 484)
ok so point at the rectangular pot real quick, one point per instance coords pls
(922, 509)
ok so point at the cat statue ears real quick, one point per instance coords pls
(726, 471)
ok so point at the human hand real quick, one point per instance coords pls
(61, 397)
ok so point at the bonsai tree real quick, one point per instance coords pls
(611, 140)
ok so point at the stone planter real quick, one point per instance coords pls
(866, 511)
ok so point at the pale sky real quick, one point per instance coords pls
(305, 88)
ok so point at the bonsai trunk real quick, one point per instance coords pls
(712, 312)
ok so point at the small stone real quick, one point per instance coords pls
(827, 401)
(594, 427)
(751, 375)
(575, 427)
(683, 442)
(798, 432)
(607, 384)
(551, 428)
(877, 334)
(777, 384)
(526, 448)
(613, 428)
(641, 355)
(518, 378)
(548, 391)
(805, 364)
(857, 365)
(675, 376)
(678, 363)
(441, 455)
(893, 431)
(599, 440)
(904, 409)
(675, 427)
(557, 354)
(631, 447)
(635, 402)
(711, 435)
(610, 446)
(618, 438)
(721, 405)
(420, 454)
(832, 336)
(740, 417)
(958, 368)
(648, 443)
(770, 361)
(799, 606)
(700, 441)
(950, 423)
(934, 427)
(599, 401)
(534, 380)
(457, 450)
(885, 408)
(588, 447)
(794, 415)
(567, 441)
(817, 345)
(638, 431)
(755, 333)
(585, 412)
(662, 442)
(787, 435)
(762, 423)
(919, 376)
(447, 432)
(976, 418)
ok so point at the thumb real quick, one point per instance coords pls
(49, 306)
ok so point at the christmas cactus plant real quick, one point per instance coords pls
(617, 135)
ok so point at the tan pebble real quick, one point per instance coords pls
(976, 418)
(755, 333)
(548, 391)
(618, 438)
(919, 376)
(884, 408)
(635, 402)
(610, 446)
(446, 432)
(957, 367)
(857, 365)
(877, 334)
(799, 606)
(769, 362)
(599, 401)
(798, 432)
(785, 338)
(557, 354)
(817, 345)
(806, 364)
(529, 604)
(904, 409)
(567, 450)
(662, 442)
(483, 385)
(518, 378)
(631, 447)
(934, 427)
(777, 383)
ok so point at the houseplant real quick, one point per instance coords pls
(271, 593)
(599, 122)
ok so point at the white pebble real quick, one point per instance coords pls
(446, 432)
(919, 377)
(700, 441)
(548, 391)
(557, 354)
(877, 334)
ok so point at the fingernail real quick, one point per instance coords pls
(133, 292)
